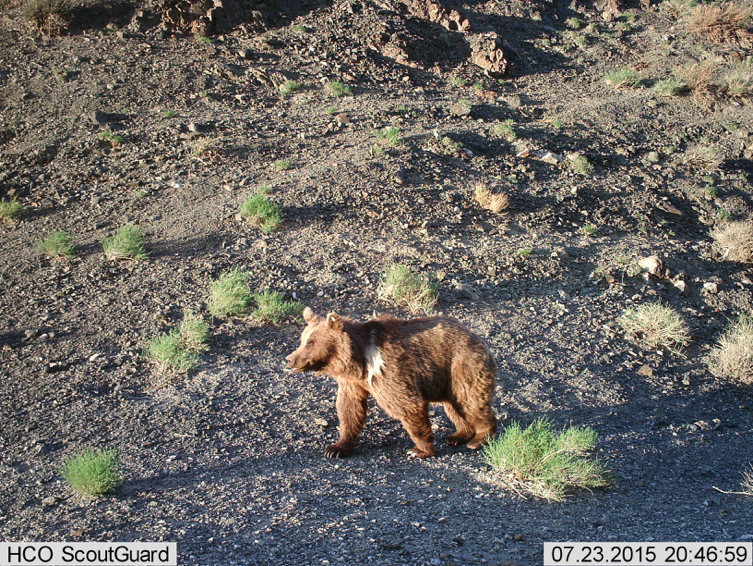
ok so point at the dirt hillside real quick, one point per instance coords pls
(166, 116)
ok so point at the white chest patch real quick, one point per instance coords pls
(374, 362)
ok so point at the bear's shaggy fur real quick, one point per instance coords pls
(405, 365)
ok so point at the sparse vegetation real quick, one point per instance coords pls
(389, 136)
(698, 76)
(282, 164)
(229, 295)
(457, 82)
(669, 87)
(114, 139)
(721, 22)
(169, 113)
(494, 202)
(590, 229)
(402, 286)
(271, 306)
(738, 80)
(702, 157)
(580, 165)
(203, 147)
(10, 210)
(93, 473)
(179, 349)
(126, 243)
(261, 212)
(623, 78)
(574, 23)
(523, 252)
(506, 130)
(732, 357)
(337, 89)
(289, 86)
(734, 240)
(656, 326)
(58, 245)
(50, 17)
(544, 463)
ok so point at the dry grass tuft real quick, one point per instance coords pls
(494, 202)
(699, 76)
(656, 326)
(734, 240)
(701, 157)
(722, 22)
(732, 357)
(51, 17)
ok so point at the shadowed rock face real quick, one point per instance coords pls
(211, 17)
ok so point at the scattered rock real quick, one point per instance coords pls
(50, 501)
(653, 264)
(487, 53)
(710, 287)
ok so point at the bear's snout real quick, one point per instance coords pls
(294, 363)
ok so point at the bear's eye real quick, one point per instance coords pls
(309, 343)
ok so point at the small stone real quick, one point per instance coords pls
(517, 537)
(321, 422)
(653, 264)
(646, 370)
(50, 501)
(710, 287)
(460, 109)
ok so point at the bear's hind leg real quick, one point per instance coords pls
(464, 430)
(351, 410)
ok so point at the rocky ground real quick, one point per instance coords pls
(227, 460)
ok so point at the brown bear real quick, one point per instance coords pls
(405, 365)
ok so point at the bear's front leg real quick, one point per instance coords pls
(351, 410)
(416, 422)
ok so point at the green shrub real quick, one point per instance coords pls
(732, 357)
(337, 89)
(590, 229)
(574, 23)
(282, 164)
(114, 139)
(506, 130)
(271, 306)
(261, 212)
(404, 287)
(289, 86)
(655, 326)
(545, 463)
(94, 472)
(669, 87)
(230, 295)
(127, 243)
(389, 136)
(623, 78)
(10, 210)
(580, 165)
(179, 349)
(60, 244)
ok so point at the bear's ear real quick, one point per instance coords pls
(309, 316)
(334, 321)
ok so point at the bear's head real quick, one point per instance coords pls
(321, 342)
